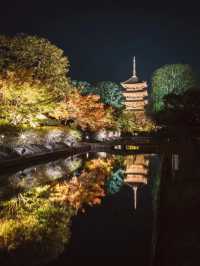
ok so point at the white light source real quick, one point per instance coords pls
(22, 136)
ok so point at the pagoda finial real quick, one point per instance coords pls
(134, 67)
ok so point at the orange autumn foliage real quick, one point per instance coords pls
(87, 111)
(88, 188)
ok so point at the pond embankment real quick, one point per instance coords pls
(36, 158)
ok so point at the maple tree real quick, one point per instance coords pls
(88, 188)
(87, 111)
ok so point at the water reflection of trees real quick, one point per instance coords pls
(37, 220)
(34, 225)
(38, 175)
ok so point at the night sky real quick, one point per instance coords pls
(100, 39)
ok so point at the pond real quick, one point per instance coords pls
(101, 206)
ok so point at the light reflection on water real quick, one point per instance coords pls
(80, 206)
(103, 205)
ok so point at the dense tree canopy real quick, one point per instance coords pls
(176, 78)
(83, 87)
(109, 92)
(181, 109)
(30, 56)
(20, 104)
(126, 121)
(86, 111)
(33, 77)
(34, 81)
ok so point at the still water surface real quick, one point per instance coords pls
(89, 206)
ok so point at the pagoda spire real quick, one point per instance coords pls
(134, 67)
(135, 197)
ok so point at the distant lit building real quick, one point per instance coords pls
(135, 93)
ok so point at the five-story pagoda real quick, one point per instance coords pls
(135, 93)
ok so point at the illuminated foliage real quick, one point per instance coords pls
(33, 222)
(37, 222)
(36, 58)
(21, 103)
(126, 121)
(109, 92)
(83, 87)
(86, 111)
(32, 77)
(88, 188)
(116, 181)
(175, 79)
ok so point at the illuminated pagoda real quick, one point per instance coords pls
(136, 172)
(135, 93)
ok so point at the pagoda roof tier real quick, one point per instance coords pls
(132, 80)
(135, 105)
(134, 86)
(136, 172)
(135, 90)
(131, 178)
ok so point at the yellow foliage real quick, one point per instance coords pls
(22, 97)
(43, 213)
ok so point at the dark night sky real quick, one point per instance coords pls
(101, 39)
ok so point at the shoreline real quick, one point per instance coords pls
(28, 160)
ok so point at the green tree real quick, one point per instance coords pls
(176, 78)
(126, 122)
(115, 182)
(83, 87)
(110, 93)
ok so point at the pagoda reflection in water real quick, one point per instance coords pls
(136, 172)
